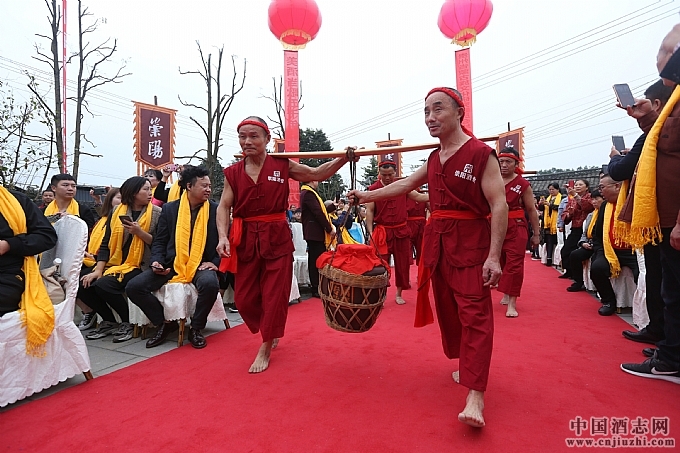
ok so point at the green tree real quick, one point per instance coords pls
(370, 173)
(316, 140)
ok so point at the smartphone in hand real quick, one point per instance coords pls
(618, 142)
(126, 218)
(624, 95)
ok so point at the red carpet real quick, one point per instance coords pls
(388, 390)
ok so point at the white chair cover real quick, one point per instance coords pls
(300, 264)
(22, 375)
(557, 255)
(179, 302)
(543, 253)
(624, 287)
(640, 315)
(590, 286)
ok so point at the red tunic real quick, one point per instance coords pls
(391, 213)
(514, 245)
(265, 255)
(456, 250)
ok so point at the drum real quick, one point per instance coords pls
(352, 302)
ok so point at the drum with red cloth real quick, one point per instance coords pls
(353, 287)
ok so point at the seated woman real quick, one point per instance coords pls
(112, 200)
(124, 253)
(585, 250)
(578, 207)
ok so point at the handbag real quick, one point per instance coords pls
(54, 283)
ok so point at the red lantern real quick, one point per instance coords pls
(463, 20)
(294, 22)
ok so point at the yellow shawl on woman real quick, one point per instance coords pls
(95, 241)
(36, 309)
(136, 251)
(550, 220)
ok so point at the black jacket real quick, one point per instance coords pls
(39, 237)
(163, 245)
(314, 222)
(621, 168)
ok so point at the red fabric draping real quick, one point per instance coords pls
(352, 258)
(229, 264)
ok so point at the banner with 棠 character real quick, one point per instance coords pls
(154, 136)
(512, 139)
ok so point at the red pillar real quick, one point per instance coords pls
(464, 83)
(291, 90)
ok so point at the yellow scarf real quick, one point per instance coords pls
(644, 228)
(189, 255)
(72, 209)
(550, 220)
(95, 241)
(174, 193)
(614, 266)
(591, 225)
(136, 251)
(328, 241)
(36, 310)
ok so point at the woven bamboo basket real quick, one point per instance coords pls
(352, 303)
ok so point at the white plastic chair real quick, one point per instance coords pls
(300, 264)
(22, 375)
(640, 315)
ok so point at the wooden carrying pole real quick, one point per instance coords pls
(360, 152)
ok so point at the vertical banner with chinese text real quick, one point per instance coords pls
(154, 136)
(464, 83)
(512, 139)
(292, 106)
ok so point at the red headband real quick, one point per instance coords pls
(452, 94)
(387, 162)
(509, 155)
(516, 159)
(253, 123)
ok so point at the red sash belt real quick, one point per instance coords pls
(423, 308)
(410, 219)
(228, 264)
(517, 214)
(379, 236)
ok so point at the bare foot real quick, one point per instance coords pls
(275, 343)
(400, 300)
(511, 312)
(504, 300)
(261, 362)
(456, 376)
(474, 406)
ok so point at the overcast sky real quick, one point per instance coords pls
(548, 66)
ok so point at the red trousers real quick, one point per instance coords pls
(261, 293)
(512, 257)
(465, 316)
(417, 227)
(400, 249)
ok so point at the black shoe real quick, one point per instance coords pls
(653, 369)
(548, 262)
(315, 294)
(649, 352)
(197, 339)
(162, 333)
(576, 287)
(643, 336)
(565, 275)
(607, 310)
